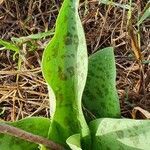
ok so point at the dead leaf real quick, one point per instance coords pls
(134, 42)
(144, 113)
(1, 1)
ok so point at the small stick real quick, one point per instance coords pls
(19, 133)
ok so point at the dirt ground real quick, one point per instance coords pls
(23, 91)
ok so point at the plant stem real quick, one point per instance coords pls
(19, 133)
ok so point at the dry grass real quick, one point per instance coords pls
(23, 91)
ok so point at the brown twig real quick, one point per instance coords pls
(19, 133)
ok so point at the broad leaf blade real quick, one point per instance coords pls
(35, 125)
(64, 66)
(74, 142)
(124, 134)
(100, 94)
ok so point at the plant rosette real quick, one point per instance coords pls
(73, 79)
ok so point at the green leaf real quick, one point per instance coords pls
(146, 62)
(32, 37)
(42, 147)
(100, 95)
(35, 125)
(64, 67)
(9, 46)
(110, 2)
(74, 142)
(120, 134)
(145, 14)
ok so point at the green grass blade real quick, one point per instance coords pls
(33, 37)
(9, 46)
(110, 2)
(145, 15)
